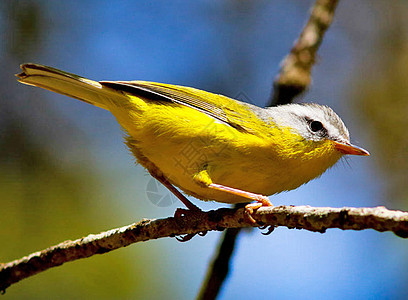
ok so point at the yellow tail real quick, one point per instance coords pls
(68, 84)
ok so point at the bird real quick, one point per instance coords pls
(207, 145)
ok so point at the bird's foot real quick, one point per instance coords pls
(182, 212)
(251, 207)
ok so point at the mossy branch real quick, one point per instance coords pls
(316, 219)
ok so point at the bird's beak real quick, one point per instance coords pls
(347, 148)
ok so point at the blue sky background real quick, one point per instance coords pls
(227, 47)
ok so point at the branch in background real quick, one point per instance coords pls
(219, 268)
(316, 219)
(295, 74)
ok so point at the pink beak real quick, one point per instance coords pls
(347, 148)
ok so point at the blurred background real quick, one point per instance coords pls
(65, 172)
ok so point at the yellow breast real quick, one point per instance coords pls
(182, 141)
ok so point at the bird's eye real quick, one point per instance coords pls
(316, 126)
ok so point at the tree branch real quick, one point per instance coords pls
(218, 270)
(295, 74)
(316, 219)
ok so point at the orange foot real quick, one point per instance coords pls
(251, 207)
(261, 200)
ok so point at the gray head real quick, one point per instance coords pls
(314, 122)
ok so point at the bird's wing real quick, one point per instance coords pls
(229, 111)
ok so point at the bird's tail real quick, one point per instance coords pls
(68, 84)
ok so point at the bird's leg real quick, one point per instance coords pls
(176, 193)
(180, 211)
(261, 200)
(204, 179)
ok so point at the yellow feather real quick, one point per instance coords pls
(194, 138)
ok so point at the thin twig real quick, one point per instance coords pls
(316, 219)
(295, 74)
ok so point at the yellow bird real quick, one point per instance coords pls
(210, 146)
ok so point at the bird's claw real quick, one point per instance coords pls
(189, 236)
(249, 210)
(269, 228)
(182, 212)
(185, 238)
(251, 207)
